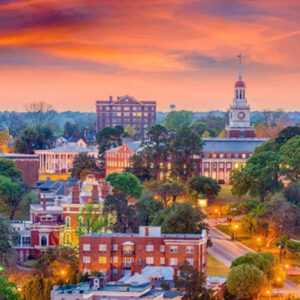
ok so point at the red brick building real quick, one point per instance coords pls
(27, 163)
(126, 111)
(117, 159)
(118, 254)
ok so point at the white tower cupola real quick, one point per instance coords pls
(239, 112)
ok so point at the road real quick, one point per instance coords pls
(225, 251)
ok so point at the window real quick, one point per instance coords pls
(162, 260)
(228, 155)
(86, 247)
(228, 166)
(26, 240)
(67, 239)
(115, 271)
(86, 259)
(162, 248)
(149, 248)
(173, 261)
(44, 241)
(190, 261)
(189, 249)
(236, 155)
(173, 249)
(221, 155)
(115, 259)
(149, 260)
(244, 155)
(102, 247)
(102, 259)
(68, 222)
(221, 165)
(139, 114)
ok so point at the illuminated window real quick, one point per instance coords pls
(149, 260)
(102, 259)
(139, 114)
(161, 165)
(67, 239)
(236, 165)
(244, 155)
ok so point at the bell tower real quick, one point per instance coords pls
(239, 112)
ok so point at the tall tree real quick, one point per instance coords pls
(191, 281)
(183, 145)
(8, 169)
(40, 112)
(37, 288)
(126, 218)
(289, 154)
(84, 165)
(292, 193)
(287, 133)
(259, 176)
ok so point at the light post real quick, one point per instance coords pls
(235, 227)
(259, 244)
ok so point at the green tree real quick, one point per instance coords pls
(109, 137)
(84, 165)
(72, 130)
(286, 134)
(259, 177)
(183, 145)
(125, 183)
(191, 281)
(292, 193)
(8, 290)
(169, 189)
(201, 186)
(11, 194)
(7, 234)
(177, 119)
(245, 281)
(8, 169)
(289, 154)
(25, 142)
(181, 218)
(147, 207)
(125, 216)
(91, 220)
(140, 167)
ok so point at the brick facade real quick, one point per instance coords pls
(126, 111)
(119, 254)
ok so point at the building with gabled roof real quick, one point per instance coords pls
(124, 111)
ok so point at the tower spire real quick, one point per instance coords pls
(240, 65)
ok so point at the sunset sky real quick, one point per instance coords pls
(69, 53)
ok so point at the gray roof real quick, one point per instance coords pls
(134, 145)
(69, 148)
(169, 235)
(17, 155)
(231, 145)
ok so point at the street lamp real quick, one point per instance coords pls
(259, 243)
(235, 227)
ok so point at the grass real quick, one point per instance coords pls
(31, 262)
(225, 196)
(216, 268)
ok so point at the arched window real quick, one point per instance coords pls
(236, 94)
(68, 222)
(243, 94)
(67, 239)
(240, 94)
(44, 241)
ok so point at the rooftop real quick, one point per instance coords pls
(17, 155)
(68, 148)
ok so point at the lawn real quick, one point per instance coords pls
(225, 196)
(216, 268)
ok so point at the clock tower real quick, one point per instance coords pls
(239, 112)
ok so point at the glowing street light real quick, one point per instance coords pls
(259, 243)
(235, 227)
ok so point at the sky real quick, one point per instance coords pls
(70, 53)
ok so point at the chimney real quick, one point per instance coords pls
(147, 231)
(111, 98)
(95, 194)
(75, 194)
(140, 268)
(44, 202)
(132, 270)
